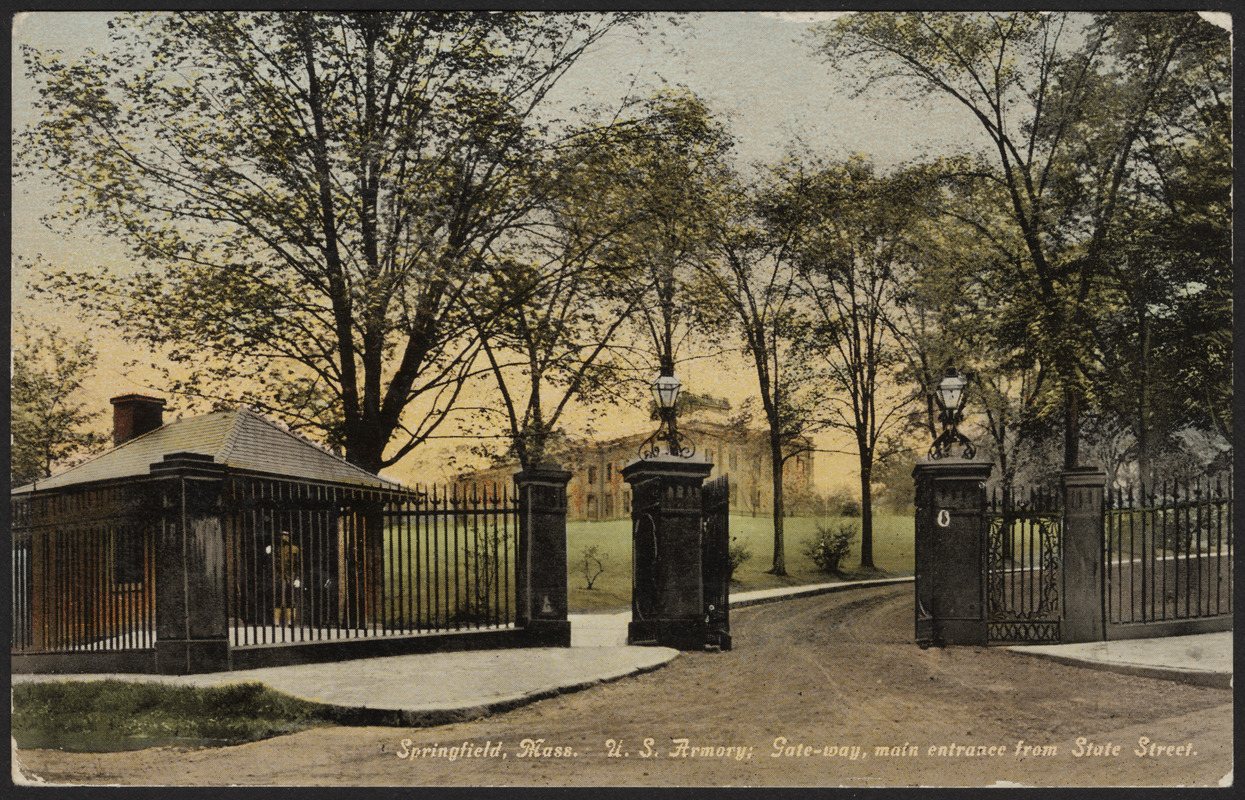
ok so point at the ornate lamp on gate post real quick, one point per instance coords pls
(666, 393)
(667, 593)
(951, 396)
(950, 530)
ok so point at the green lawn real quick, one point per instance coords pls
(105, 716)
(892, 553)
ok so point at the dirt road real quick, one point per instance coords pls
(825, 691)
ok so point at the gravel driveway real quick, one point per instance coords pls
(822, 691)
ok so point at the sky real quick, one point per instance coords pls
(757, 70)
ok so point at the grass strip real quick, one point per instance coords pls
(110, 715)
(892, 553)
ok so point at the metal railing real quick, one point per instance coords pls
(302, 562)
(1167, 552)
(83, 570)
(312, 563)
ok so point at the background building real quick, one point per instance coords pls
(597, 490)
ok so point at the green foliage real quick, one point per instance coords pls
(312, 199)
(593, 564)
(49, 423)
(736, 555)
(830, 545)
(855, 237)
(661, 179)
(103, 716)
(1080, 208)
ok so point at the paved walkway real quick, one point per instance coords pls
(437, 688)
(1204, 659)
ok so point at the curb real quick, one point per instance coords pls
(819, 590)
(430, 717)
(1213, 680)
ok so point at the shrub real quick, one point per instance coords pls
(593, 564)
(828, 547)
(841, 501)
(735, 557)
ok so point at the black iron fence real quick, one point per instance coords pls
(1167, 552)
(312, 563)
(302, 562)
(1023, 565)
(83, 570)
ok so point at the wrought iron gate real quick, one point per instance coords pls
(715, 560)
(1024, 565)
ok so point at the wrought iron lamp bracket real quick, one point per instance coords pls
(677, 444)
(944, 445)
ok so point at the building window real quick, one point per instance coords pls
(609, 471)
(592, 474)
(609, 506)
(593, 511)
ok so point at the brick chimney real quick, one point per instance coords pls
(135, 414)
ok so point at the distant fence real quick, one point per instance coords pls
(1167, 553)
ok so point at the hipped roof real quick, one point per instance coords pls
(241, 439)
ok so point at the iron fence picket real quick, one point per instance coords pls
(1023, 565)
(1174, 566)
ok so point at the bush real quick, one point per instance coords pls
(735, 557)
(828, 547)
(593, 564)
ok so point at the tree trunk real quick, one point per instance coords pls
(366, 448)
(866, 510)
(1071, 432)
(780, 556)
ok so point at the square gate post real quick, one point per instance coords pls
(951, 551)
(1084, 491)
(541, 576)
(192, 624)
(667, 594)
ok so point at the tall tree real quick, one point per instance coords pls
(553, 311)
(748, 286)
(1063, 126)
(312, 197)
(1166, 346)
(667, 177)
(854, 255)
(50, 423)
(963, 309)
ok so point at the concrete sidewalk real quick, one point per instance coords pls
(1204, 659)
(438, 688)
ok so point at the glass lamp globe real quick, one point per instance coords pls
(951, 390)
(666, 390)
